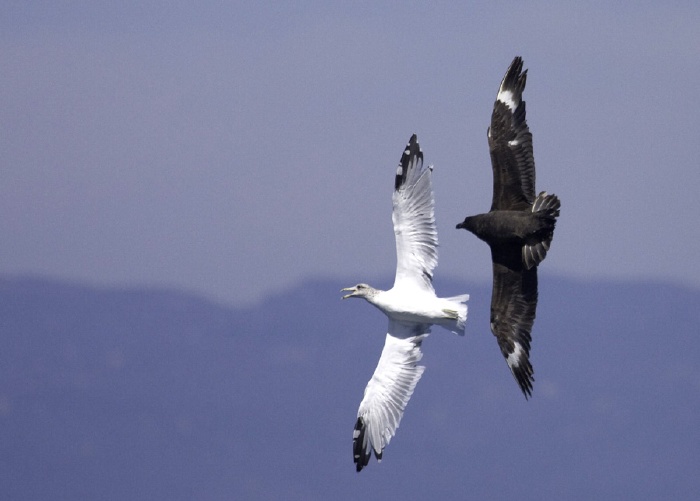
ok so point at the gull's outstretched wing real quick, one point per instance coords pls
(513, 306)
(414, 220)
(388, 391)
(510, 144)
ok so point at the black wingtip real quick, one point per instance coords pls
(360, 454)
(515, 78)
(515, 69)
(411, 151)
(525, 379)
(517, 62)
(517, 355)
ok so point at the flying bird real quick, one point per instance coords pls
(518, 228)
(411, 306)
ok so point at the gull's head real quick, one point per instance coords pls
(360, 290)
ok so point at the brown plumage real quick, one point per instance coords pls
(518, 228)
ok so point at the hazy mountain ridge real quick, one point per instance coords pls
(154, 394)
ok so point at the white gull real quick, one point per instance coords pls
(411, 305)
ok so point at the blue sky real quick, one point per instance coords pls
(236, 149)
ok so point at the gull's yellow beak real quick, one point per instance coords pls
(352, 291)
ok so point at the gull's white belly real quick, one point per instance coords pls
(415, 307)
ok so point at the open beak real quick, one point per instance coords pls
(352, 292)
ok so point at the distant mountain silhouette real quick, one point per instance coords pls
(154, 394)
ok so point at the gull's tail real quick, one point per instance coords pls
(456, 313)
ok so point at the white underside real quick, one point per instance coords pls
(422, 307)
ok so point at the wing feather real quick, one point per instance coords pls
(414, 220)
(513, 307)
(388, 391)
(510, 144)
